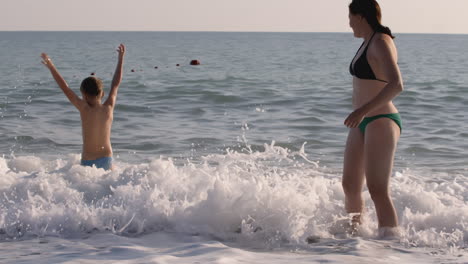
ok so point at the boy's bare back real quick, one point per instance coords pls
(96, 117)
(96, 124)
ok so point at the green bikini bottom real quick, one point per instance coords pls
(367, 120)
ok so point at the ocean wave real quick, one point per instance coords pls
(270, 198)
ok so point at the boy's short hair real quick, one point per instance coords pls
(91, 86)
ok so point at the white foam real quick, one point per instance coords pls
(268, 199)
(162, 247)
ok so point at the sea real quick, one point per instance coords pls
(236, 160)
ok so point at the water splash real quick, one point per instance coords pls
(269, 198)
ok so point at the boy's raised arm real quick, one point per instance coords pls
(74, 99)
(117, 77)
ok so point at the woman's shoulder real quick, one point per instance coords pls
(382, 41)
(379, 37)
(382, 46)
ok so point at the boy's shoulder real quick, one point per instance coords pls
(101, 108)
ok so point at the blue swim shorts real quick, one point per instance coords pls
(103, 163)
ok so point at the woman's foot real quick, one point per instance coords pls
(354, 224)
(389, 233)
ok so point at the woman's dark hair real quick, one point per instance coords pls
(370, 10)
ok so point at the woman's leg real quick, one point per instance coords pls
(353, 172)
(381, 139)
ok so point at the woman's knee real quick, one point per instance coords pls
(378, 193)
(351, 187)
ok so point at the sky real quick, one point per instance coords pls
(402, 16)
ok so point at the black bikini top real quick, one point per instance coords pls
(361, 68)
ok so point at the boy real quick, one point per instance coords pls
(96, 118)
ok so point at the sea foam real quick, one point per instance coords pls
(267, 198)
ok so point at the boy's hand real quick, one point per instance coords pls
(74, 99)
(117, 78)
(121, 51)
(47, 61)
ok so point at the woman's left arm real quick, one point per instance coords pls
(385, 56)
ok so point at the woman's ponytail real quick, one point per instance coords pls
(370, 10)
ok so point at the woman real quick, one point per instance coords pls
(374, 124)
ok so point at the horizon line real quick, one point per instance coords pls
(216, 31)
